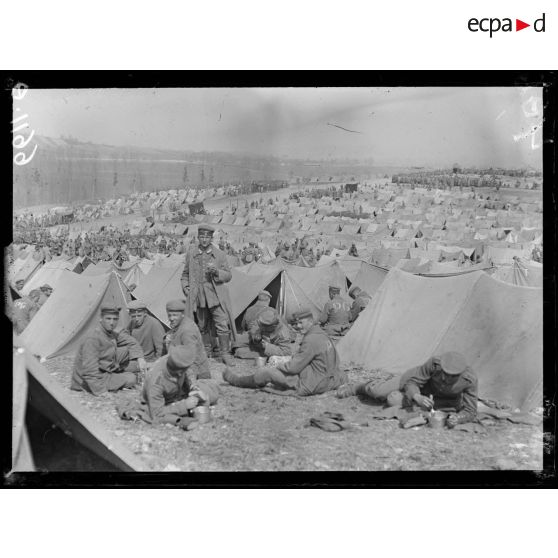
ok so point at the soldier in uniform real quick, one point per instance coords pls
(184, 331)
(206, 272)
(25, 309)
(46, 291)
(108, 359)
(443, 382)
(335, 315)
(268, 336)
(252, 313)
(360, 300)
(313, 369)
(146, 330)
(172, 388)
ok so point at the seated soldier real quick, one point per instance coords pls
(261, 304)
(452, 384)
(146, 330)
(268, 336)
(184, 331)
(25, 309)
(335, 315)
(361, 300)
(108, 359)
(313, 369)
(172, 387)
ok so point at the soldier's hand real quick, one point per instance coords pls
(186, 290)
(452, 420)
(423, 401)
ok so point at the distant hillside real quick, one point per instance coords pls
(66, 170)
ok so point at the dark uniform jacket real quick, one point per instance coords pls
(187, 333)
(96, 358)
(317, 363)
(204, 290)
(165, 393)
(252, 314)
(359, 304)
(335, 312)
(278, 339)
(150, 336)
(460, 393)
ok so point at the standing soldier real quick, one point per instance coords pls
(335, 315)
(206, 272)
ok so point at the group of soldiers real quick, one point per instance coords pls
(173, 366)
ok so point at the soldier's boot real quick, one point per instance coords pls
(206, 339)
(252, 381)
(225, 346)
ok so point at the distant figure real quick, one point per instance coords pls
(361, 300)
(24, 310)
(335, 315)
(353, 251)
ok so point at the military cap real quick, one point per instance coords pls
(46, 287)
(176, 305)
(206, 228)
(110, 309)
(263, 294)
(181, 357)
(355, 289)
(302, 313)
(34, 293)
(453, 363)
(333, 289)
(268, 318)
(137, 305)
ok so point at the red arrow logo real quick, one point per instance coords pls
(519, 25)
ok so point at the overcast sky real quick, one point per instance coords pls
(415, 126)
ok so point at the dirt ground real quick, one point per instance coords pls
(253, 430)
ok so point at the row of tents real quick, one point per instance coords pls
(497, 324)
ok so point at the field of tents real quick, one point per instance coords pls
(444, 273)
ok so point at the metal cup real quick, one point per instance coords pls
(437, 420)
(260, 362)
(202, 414)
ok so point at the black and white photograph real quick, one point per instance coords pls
(273, 278)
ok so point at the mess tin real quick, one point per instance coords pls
(202, 414)
(260, 362)
(437, 420)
